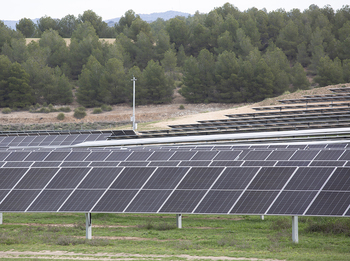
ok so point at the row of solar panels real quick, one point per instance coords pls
(316, 99)
(202, 190)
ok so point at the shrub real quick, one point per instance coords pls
(65, 109)
(44, 110)
(79, 113)
(45, 104)
(105, 107)
(97, 111)
(60, 116)
(6, 110)
(181, 107)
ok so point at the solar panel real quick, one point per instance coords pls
(254, 202)
(68, 178)
(49, 200)
(182, 201)
(81, 201)
(330, 204)
(36, 178)
(218, 202)
(309, 178)
(192, 179)
(292, 202)
(148, 201)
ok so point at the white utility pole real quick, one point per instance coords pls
(134, 127)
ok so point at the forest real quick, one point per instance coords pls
(224, 56)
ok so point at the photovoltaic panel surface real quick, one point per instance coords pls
(262, 180)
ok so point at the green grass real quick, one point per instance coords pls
(202, 235)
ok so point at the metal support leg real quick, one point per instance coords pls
(295, 236)
(179, 220)
(262, 217)
(88, 226)
(0, 218)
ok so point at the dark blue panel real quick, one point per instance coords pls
(114, 201)
(18, 200)
(182, 201)
(148, 201)
(81, 201)
(309, 178)
(9, 177)
(50, 200)
(292, 202)
(235, 178)
(166, 178)
(254, 202)
(67, 178)
(340, 180)
(36, 178)
(132, 178)
(330, 204)
(272, 178)
(218, 202)
(200, 178)
(100, 178)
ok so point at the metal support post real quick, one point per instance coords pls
(88, 226)
(262, 217)
(179, 220)
(134, 127)
(0, 218)
(295, 236)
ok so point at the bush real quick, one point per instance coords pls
(6, 110)
(44, 110)
(79, 113)
(105, 107)
(181, 107)
(65, 109)
(97, 111)
(60, 116)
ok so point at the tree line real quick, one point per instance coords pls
(223, 56)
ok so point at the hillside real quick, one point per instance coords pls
(158, 116)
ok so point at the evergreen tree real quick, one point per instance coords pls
(329, 72)
(113, 82)
(19, 91)
(199, 78)
(159, 88)
(228, 83)
(299, 78)
(90, 92)
(26, 26)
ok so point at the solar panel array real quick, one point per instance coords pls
(311, 180)
(43, 139)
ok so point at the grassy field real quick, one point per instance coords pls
(147, 235)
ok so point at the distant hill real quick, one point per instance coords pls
(146, 17)
(152, 17)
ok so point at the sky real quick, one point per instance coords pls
(108, 9)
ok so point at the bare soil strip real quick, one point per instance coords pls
(107, 256)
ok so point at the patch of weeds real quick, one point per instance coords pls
(329, 226)
(226, 241)
(277, 240)
(186, 245)
(53, 229)
(106, 107)
(97, 111)
(98, 242)
(67, 241)
(6, 111)
(158, 226)
(181, 107)
(65, 109)
(282, 223)
(79, 226)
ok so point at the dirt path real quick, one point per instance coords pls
(63, 255)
